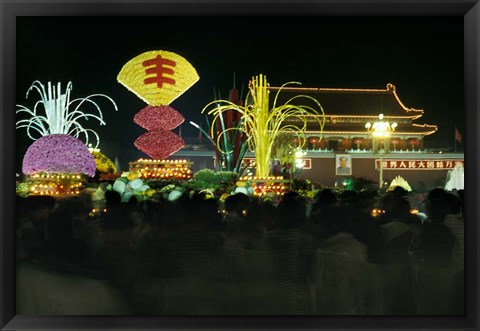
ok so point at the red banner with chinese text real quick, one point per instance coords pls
(419, 164)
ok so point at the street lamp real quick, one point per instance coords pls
(299, 155)
(380, 131)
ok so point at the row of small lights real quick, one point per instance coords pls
(55, 186)
(55, 192)
(57, 176)
(178, 167)
(261, 178)
(377, 212)
(274, 187)
(160, 167)
(265, 192)
(264, 189)
(165, 175)
(161, 161)
(160, 170)
(44, 189)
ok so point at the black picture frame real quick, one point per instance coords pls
(469, 9)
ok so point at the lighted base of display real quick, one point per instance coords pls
(264, 185)
(55, 184)
(162, 169)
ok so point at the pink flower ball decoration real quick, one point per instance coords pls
(158, 117)
(159, 144)
(59, 153)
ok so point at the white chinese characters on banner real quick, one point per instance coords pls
(419, 164)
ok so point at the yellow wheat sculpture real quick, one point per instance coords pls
(263, 125)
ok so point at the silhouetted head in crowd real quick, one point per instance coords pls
(367, 200)
(437, 205)
(199, 196)
(324, 200)
(117, 217)
(133, 201)
(291, 212)
(112, 199)
(155, 211)
(399, 191)
(292, 194)
(199, 210)
(349, 198)
(326, 196)
(208, 213)
(261, 214)
(453, 203)
(395, 204)
(78, 207)
(461, 194)
(237, 204)
(39, 207)
(397, 208)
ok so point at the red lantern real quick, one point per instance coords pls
(395, 142)
(314, 141)
(358, 142)
(414, 142)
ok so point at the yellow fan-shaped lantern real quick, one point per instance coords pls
(158, 77)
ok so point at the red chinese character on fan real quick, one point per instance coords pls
(158, 66)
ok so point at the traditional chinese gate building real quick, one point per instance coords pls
(347, 111)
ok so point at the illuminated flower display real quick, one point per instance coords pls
(59, 153)
(104, 164)
(131, 185)
(158, 77)
(161, 117)
(61, 115)
(159, 144)
(152, 170)
(401, 182)
(228, 140)
(263, 125)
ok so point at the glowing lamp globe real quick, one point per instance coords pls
(59, 153)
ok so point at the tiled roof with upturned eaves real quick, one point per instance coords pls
(345, 102)
(347, 110)
(357, 129)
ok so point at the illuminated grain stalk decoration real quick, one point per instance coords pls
(262, 125)
(61, 114)
(227, 139)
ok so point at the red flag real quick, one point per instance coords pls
(458, 136)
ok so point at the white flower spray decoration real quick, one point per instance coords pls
(62, 115)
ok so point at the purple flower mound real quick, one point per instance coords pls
(59, 153)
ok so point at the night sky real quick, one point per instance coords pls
(421, 56)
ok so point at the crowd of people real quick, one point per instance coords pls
(248, 256)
